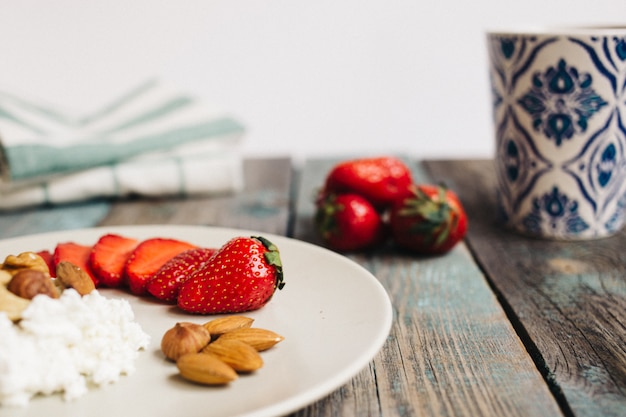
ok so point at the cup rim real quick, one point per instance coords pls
(598, 30)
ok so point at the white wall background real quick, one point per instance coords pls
(308, 78)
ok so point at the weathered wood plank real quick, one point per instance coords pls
(48, 219)
(451, 351)
(263, 205)
(568, 298)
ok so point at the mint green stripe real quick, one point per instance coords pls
(157, 113)
(182, 183)
(29, 161)
(116, 180)
(9, 116)
(39, 109)
(46, 194)
(5, 172)
(120, 102)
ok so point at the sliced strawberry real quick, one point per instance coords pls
(108, 258)
(164, 284)
(76, 254)
(242, 276)
(148, 257)
(47, 256)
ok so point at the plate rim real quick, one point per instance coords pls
(301, 399)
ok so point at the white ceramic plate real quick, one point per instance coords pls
(334, 314)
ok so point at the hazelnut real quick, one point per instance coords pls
(27, 283)
(184, 338)
(10, 303)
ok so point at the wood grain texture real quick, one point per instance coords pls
(263, 205)
(451, 351)
(48, 219)
(568, 299)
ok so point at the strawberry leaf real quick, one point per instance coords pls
(272, 257)
(435, 217)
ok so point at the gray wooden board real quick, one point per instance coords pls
(568, 299)
(451, 351)
(48, 219)
(262, 205)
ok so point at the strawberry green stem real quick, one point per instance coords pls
(437, 216)
(272, 257)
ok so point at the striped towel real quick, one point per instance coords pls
(152, 141)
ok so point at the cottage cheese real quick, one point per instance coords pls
(67, 345)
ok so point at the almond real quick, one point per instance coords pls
(205, 368)
(239, 355)
(260, 339)
(223, 325)
(72, 276)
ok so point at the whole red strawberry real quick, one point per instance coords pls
(242, 276)
(348, 222)
(379, 180)
(165, 283)
(431, 220)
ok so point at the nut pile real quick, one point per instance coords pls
(26, 275)
(215, 352)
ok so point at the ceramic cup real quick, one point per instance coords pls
(559, 108)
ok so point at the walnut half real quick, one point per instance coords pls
(25, 260)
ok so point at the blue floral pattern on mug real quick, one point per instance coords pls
(617, 219)
(561, 101)
(605, 167)
(620, 47)
(555, 211)
(600, 168)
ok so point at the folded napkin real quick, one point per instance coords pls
(153, 141)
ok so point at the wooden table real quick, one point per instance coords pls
(500, 326)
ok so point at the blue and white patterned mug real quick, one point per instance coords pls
(559, 108)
